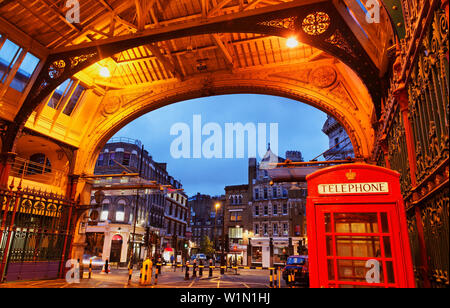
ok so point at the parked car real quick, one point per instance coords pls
(299, 266)
(97, 262)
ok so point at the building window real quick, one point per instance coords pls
(265, 193)
(74, 99)
(236, 216)
(274, 192)
(285, 209)
(275, 229)
(105, 210)
(120, 212)
(39, 164)
(256, 193)
(256, 229)
(235, 233)
(285, 229)
(266, 210)
(256, 210)
(60, 94)
(126, 159)
(285, 193)
(100, 160)
(265, 229)
(112, 157)
(275, 210)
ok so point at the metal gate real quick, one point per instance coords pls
(36, 231)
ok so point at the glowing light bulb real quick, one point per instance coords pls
(292, 42)
(104, 72)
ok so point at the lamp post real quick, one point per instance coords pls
(217, 206)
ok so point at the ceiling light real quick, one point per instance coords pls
(292, 42)
(104, 72)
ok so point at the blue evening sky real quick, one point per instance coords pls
(299, 129)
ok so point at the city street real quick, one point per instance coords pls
(118, 278)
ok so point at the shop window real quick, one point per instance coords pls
(256, 254)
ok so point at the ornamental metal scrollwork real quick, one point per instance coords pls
(316, 23)
(337, 40)
(75, 61)
(284, 23)
(56, 69)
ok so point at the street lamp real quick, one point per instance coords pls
(217, 206)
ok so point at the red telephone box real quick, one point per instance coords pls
(357, 232)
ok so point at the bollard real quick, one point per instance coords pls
(271, 278)
(130, 274)
(279, 280)
(210, 269)
(90, 269)
(194, 269)
(186, 276)
(156, 275)
(200, 273)
(275, 278)
(289, 278)
(107, 266)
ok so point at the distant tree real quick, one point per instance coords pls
(207, 246)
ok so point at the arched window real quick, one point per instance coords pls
(120, 212)
(39, 164)
(105, 210)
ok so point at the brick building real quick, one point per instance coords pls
(112, 233)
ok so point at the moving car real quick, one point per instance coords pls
(97, 262)
(198, 257)
(299, 266)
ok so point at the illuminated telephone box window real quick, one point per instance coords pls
(357, 231)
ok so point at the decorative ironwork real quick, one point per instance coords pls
(75, 61)
(338, 40)
(56, 69)
(316, 23)
(37, 228)
(283, 23)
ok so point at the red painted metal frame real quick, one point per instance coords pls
(391, 202)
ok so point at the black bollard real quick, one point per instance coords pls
(271, 278)
(210, 268)
(200, 274)
(107, 266)
(194, 269)
(186, 276)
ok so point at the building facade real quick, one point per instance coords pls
(206, 220)
(340, 145)
(122, 229)
(265, 221)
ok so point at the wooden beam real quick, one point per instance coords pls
(217, 8)
(224, 50)
(172, 31)
(252, 5)
(168, 65)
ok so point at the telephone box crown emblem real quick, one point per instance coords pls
(350, 175)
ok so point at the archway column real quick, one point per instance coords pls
(6, 162)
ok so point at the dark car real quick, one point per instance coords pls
(299, 267)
